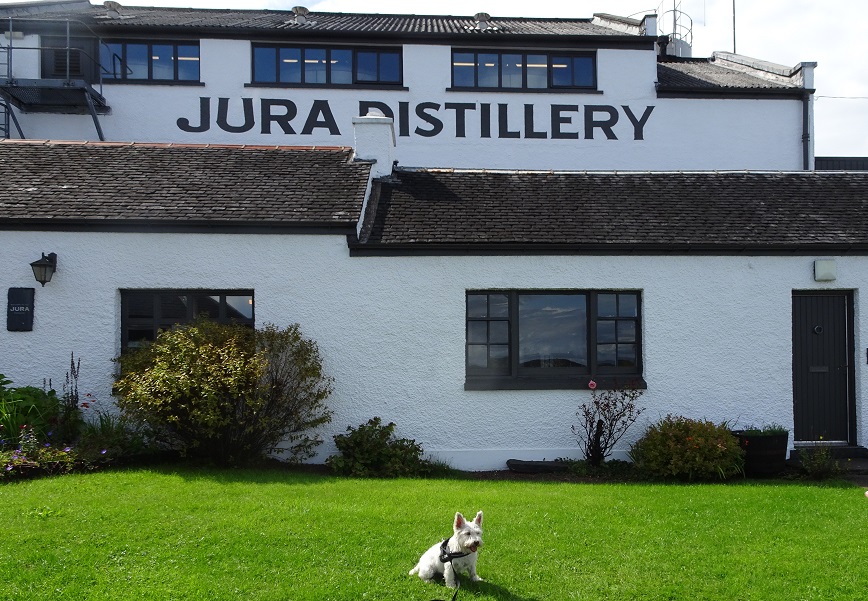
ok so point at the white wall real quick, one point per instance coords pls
(679, 133)
(716, 330)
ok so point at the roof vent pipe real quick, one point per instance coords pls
(301, 14)
(663, 42)
(482, 21)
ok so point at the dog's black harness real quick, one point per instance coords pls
(446, 556)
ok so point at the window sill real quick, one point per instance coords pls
(328, 86)
(150, 82)
(604, 382)
(528, 90)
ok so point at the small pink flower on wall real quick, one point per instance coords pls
(592, 385)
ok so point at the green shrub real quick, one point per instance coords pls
(819, 463)
(227, 393)
(373, 451)
(688, 449)
(26, 406)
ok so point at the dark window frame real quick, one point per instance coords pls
(303, 48)
(514, 376)
(117, 72)
(550, 56)
(158, 320)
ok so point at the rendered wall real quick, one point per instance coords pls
(538, 131)
(716, 330)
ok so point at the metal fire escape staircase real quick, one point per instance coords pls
(64, 94)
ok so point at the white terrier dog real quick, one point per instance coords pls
(455, 554)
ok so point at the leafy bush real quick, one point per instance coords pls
(372, 451)
(26, 406)
(227, 393)
(605, 420)
(819, 462)
(688, 449)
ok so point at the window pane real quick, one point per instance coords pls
(390, 67)
(463, 68)
(537, 71)
(264, 61)
(627, 355)
(136, 336)
(188, 63)
(477, 332)
(207, 306)
(562, 71)
(628, 305)
(499, 358)
(366, 68)
(498, 332)
(477, 356)
(162, 61)
(137, 61)
(605, 331)
(607, 305)
(314, 65)
(489, 67)
(110, 60)
(173, 306)
(512, 68)
(552, 330)
(606, 355)
(626, 331)
(290, 65)
(498, 305)
(239, 307)
(477, 305)
(583, 71)
(140, 305)
(342, 66)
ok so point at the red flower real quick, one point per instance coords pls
(592, 385)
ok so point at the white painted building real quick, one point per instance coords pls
(654, 220)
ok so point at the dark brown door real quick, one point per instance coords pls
(822, 370)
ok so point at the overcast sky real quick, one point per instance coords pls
(829, 32)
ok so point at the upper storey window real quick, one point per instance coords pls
(162, 61)
(477, 69)
(324, 66)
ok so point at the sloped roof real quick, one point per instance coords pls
(272, 22)
(706, 75)
(114, 185)
(446, 211)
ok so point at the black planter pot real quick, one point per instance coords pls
(765, 455)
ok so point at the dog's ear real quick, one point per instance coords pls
(459, 520)
(478, 519)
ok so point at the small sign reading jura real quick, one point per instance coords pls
(19, 310)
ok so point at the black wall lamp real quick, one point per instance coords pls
(44, 268)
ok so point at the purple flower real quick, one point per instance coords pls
(103, 452)
(67, 449)
(9, 468)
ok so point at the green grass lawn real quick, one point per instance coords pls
(179, 533)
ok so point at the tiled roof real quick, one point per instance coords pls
(275, 21)
(705, 75)
(431, 210)
(177, 185)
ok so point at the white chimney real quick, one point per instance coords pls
(374, 140)
(649, 25)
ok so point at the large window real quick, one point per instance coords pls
(472, 69)
(132, 61)
(145, 312)
(325, 66)
(552, 338)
